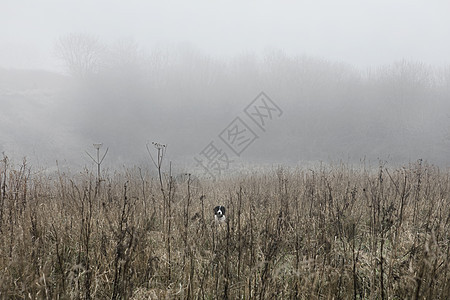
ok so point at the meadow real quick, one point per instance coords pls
(334, 231)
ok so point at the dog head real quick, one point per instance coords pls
(219, 213)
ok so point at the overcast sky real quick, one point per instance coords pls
(363, 33)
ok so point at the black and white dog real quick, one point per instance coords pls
(219, 213)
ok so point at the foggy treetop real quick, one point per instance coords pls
(341, 100)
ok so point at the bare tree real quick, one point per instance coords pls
(82, 53)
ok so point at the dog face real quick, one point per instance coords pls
(219, 213)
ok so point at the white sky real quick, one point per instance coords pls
(363, 33)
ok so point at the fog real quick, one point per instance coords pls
(352, 80)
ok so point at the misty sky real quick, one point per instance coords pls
(363, 33)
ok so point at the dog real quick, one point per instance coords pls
(219, 213)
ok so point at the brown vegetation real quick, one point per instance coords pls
(333, 232)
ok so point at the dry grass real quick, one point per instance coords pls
(334, 232)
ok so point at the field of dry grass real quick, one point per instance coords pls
(333, 232)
